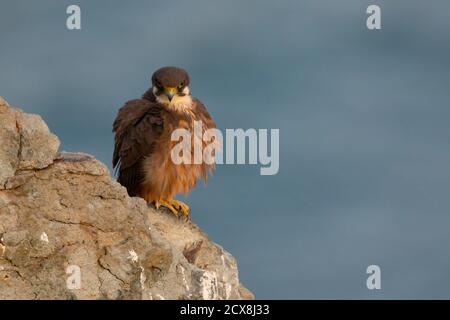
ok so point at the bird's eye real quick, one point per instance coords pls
(181, 85)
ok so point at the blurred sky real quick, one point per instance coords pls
(363, 116)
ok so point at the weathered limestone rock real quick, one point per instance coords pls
(70, 231)
(25, 142)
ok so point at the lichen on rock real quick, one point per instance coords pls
(68, 230)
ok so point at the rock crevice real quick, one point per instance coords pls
(68, 230)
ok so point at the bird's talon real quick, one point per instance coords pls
(181, 206)
(166, 204)
(174, 206)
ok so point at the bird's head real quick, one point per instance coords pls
(170, 85)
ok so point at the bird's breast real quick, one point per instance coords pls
(161, 172)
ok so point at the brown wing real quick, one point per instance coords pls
(137, 126)
(204, 114)
(208, 123)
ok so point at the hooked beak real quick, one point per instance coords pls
(170, 92)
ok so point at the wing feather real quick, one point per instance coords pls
(204, 115)
(137, 126)
(208, 123)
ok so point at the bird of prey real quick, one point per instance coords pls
(142, 151)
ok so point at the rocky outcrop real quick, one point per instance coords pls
(70, 231)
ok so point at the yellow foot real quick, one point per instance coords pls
(174, 206)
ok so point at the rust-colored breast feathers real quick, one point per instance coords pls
(143, 149)
(164, 178)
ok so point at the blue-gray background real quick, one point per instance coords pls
(363, 116)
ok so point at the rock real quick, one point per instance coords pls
(70, 231)
(26, 143)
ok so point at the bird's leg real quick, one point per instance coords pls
(174, 206)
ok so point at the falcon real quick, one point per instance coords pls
(143, 144)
